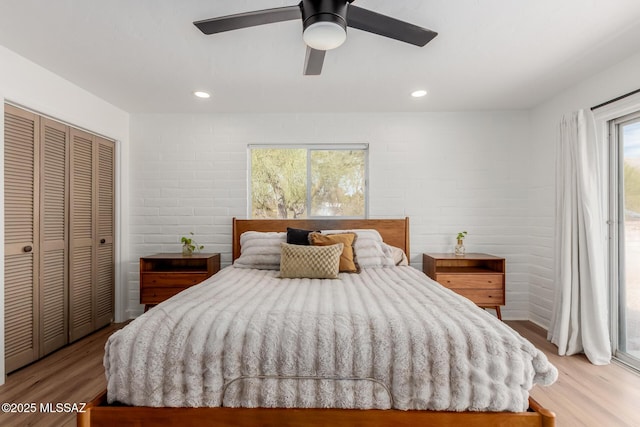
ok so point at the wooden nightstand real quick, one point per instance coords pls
(164, 275)
(479, 277)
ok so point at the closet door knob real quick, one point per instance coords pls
(103, 241)
(27, 249)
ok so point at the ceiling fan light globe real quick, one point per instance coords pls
(324, 35)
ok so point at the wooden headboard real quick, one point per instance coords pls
(394, 232)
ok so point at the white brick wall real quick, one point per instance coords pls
(447, 171)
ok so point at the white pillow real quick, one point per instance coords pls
(369, 248)
(260, 250)
(398, 255)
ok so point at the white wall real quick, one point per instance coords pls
(447, 171)
(30, 85)
(615, 81)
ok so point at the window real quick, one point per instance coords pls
(625, 179)
(307, 181)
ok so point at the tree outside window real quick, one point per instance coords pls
(313, 181)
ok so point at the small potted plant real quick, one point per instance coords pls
(459, 249)
(189, 245)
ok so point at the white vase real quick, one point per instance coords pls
(459, 249)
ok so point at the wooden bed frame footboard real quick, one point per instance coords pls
(99, 414)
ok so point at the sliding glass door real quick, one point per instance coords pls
(625, 133)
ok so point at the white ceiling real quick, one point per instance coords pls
(145, 56)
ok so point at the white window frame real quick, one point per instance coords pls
(312, 147)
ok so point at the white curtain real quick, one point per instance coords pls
(579, 321)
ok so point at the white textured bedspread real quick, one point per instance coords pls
(431, 348)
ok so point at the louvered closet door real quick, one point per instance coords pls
(21, 231)
(53, 235)
(105, 249)
(82, 236)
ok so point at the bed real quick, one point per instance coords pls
(385, 403)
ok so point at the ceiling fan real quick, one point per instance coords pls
(324, 24)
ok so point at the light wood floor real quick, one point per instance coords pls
(73, 374)
(584, 395)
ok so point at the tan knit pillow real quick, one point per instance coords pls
(347, 263)
(314, 262)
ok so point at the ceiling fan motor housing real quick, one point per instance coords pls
(334, 11)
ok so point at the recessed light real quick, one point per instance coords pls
(419, 93)
(201, 94)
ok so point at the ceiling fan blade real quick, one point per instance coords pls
(313, 61)
(383, 25)
(248, 19)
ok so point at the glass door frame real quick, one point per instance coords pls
(617, 240)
